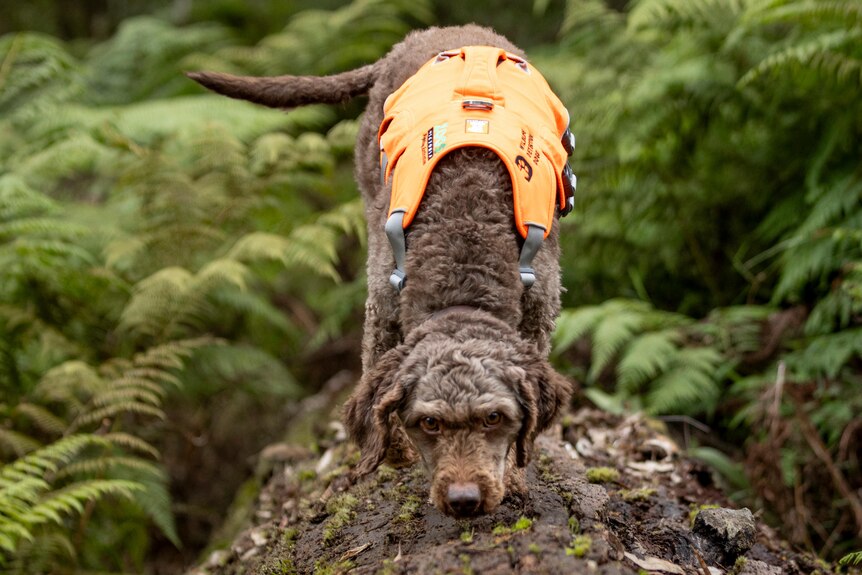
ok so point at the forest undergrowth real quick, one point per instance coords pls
(178, 267)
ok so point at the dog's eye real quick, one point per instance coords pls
(493, 419)
(430, 425)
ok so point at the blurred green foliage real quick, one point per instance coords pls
(160, 246)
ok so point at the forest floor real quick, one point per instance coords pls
(607, 494)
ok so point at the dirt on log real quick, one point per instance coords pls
(607, 494)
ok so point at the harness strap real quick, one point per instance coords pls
(535, 235)
(395, 232)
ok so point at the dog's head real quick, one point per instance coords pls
(465, 404)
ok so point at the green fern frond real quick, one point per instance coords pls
(18, 443)
(128, 394)
(72, 497)
(654, 13)
(254, 306)
(19, 200)
(41, 417)
(47, 459)
(615, 331)
(49, 551)
(572, 325)
(645, 358)
(158, 48)
(70, 383)
(156, 375)
(75, 154)
(221, 273)
(818, 55)
(691, 387)
(817, 12)
(138, 384)
(155, 500)
(854, 558)
(159, 301)
(112, 466)
(110, 411)
(826, 355)
(41, 227)
(36, 72)
(241, 367)
(132, 442)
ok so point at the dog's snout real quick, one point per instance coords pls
(464, 498)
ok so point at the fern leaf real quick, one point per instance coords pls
(817, 54)
(41, 417)
(132, 442)
(17, 442)
(221, 273)
(72, 497)
(124, 395)
(615, 331)
(19, 200)
(47, 459)
(572, 325)
(854, 558)
(110, 411)
(646, 357)
(113, 466)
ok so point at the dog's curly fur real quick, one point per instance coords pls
(463, 339)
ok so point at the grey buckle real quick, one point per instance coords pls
(384, 161)
(570, 186)
(532, 243)
(396, 279)
(477, 105)
(568, 141)
(394, 229)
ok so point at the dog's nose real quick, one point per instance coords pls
(464, 498)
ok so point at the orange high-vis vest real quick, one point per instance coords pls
(477, 96)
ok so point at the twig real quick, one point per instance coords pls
(778, 391)
(822, 453)
(688, 420)
(700, 560)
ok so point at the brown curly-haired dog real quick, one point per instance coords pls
(455, 366)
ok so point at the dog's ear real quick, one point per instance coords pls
(367, 412)
(543, 393)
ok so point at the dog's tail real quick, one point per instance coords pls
(290, 91)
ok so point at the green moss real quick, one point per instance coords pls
(466, 567)
(602, 475)
(290, 535)
(409, 509)
(738, 566)
(642, 494)
(467, 536)
(574, 525)
(521, 524)
(386, 473)
(545, 469)
(388, 567)
(339, 568)
(341, 510)
(695, 509)
(307, 475)
(285, 567)
(534, 549)
(580, 546)
(337, 472)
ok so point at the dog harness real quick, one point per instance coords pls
(484, 97)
